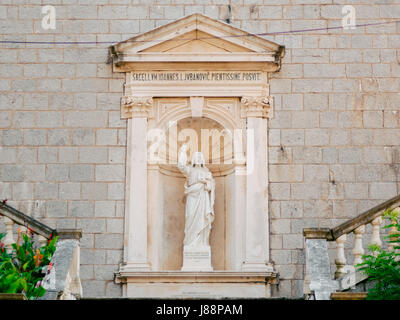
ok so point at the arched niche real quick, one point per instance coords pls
(213, 134)
(219, 159)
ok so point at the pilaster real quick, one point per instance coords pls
(256, 109)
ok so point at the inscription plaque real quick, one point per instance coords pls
(197, 259)
(214, 76)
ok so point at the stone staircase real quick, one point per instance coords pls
(347, 283)
(63, 281)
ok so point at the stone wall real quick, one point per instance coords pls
(334, 141)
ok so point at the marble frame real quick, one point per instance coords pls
(243, 104)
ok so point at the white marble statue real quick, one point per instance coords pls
(200, 195)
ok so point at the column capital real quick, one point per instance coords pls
(136, 107)
(256, 106)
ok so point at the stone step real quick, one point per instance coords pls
(348, 295)
(12, 296)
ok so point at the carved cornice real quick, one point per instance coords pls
(136, 107)
(256, 106)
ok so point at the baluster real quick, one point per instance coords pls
(376, 225)
(24, 229)
(341, 259)
(358, 250)
(9, 238)
(42, 240)
(392, 230)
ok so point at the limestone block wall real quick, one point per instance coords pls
(334, 141)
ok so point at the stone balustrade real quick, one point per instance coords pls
(357, 227)
(358, 249)
(10, 226)
(13, 219)
(63, 281)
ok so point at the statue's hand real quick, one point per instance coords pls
(183, 148)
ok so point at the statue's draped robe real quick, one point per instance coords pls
(199, 203)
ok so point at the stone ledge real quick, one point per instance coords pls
(63, 234)
(196, 277)
(190, 285)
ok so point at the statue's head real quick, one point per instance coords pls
(198, 159)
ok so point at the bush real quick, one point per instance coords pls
(383, 267)
(21, 270)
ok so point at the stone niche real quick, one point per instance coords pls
(204, 83)
(172, 220)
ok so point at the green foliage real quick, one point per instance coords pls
(383, 267)
(21, 270)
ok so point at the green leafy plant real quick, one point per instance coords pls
(21, 270)
(383, 266)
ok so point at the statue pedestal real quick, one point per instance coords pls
(197, 258)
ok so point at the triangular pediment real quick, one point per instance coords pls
(197, 41)
(193, 39)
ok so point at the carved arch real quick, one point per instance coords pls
(180, 109)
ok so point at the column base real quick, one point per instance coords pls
(134, 267)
